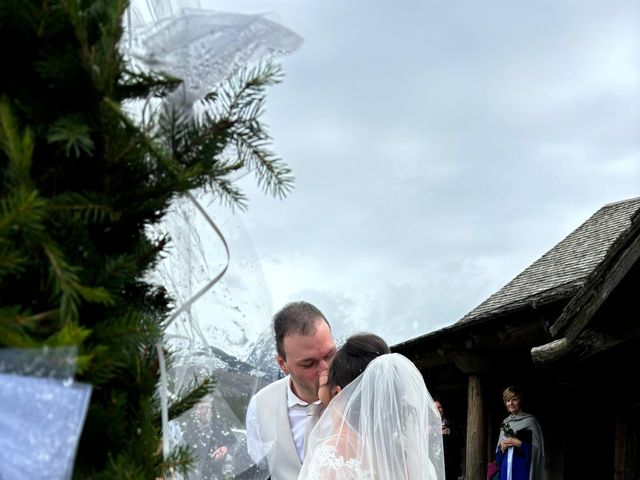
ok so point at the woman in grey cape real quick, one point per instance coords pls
(520, 449)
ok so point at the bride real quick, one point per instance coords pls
(380, 422)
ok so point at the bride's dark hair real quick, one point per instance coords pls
(352, 358)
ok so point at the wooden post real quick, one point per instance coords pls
(476, 465)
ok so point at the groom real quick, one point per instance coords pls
(280, 416)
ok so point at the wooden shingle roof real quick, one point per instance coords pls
(561, 271)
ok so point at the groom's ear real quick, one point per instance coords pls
(282, 364)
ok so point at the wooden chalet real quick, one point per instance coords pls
(567, 330)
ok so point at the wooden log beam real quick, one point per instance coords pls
(583, 307)
(550, 352)
(588, 343)
(593, 341)
(476, 464)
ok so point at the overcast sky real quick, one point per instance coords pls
(440, 148)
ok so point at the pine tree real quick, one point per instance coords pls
(80, 182)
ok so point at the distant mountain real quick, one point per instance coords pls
(235, 379)
(263, 356)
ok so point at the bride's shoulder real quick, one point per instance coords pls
(328, 462)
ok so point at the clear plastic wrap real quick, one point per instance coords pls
(220, 324)
(220, 328)
(42, 412)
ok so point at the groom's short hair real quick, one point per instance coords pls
(296, 318)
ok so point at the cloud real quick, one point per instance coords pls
(441, 147)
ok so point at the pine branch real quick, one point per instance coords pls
(18, 148)
(180, 460)
(228, 192)
(141, 85)
(67, 286)
(73, 134)
(165, 160)
(123, 467)
(104, 366)
(11, 261)
(247, 87)
(12, 328)
(12, 335)
(62, 278)
(196, 389)
(83, 207)
(69, 334)
(130, 330)
(14, 315)
(242, 105)
(22, 212)
(273, 175)
(117, 270)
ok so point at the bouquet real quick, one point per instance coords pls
(507, 430)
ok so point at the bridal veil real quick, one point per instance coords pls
(382, 426)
